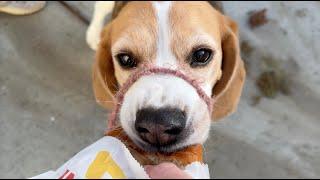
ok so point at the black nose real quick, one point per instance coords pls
(160, 126)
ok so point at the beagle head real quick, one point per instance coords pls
(165, 113)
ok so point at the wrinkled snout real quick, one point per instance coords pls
(160, 126)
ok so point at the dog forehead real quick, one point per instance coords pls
(136, 13)
(162, 32)
(134, 29)
(183, 17)
(192, 18)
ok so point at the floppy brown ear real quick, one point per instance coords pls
(104, 81)
(105, 84)
(228, 89)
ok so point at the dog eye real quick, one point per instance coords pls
(201, 57)
(126, 61)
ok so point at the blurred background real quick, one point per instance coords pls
(48, 111)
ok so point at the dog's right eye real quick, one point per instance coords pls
(126, 61)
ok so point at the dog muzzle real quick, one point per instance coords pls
(145, 71)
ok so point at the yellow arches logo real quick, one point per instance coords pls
(104, 163)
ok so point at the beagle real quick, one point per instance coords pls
(176, 66)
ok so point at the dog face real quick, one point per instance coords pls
(163, 112)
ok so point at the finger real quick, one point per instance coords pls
(166, 171)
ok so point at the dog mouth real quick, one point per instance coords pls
(163, 149)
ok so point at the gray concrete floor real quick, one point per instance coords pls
(48, 112)
(47, 108)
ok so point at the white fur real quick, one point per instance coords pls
(101, 9)
(164, 58)
(161, 91)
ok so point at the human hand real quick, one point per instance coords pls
(166, 171)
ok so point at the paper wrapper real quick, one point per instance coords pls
(109, 158)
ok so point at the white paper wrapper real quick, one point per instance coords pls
(108, 158)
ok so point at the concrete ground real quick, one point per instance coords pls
(48, 112)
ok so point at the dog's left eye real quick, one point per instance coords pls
(126, 61)
(201, 57)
